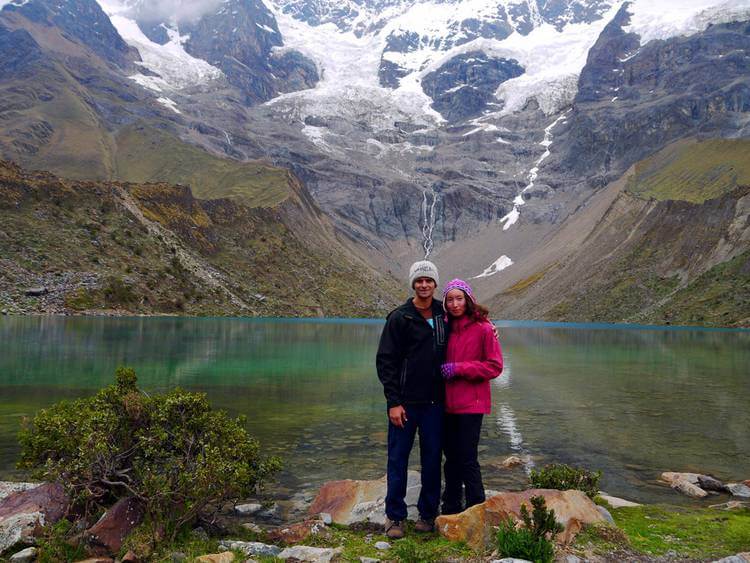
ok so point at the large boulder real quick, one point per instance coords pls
(476, 525)
(351, 501)
(7, 488)
(24, 512)
(107, 535)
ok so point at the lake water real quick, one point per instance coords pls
(631, 401)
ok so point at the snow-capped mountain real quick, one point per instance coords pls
(419, 123)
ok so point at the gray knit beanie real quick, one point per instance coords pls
(423, 269)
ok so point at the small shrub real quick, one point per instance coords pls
(171, 451)
(564, 477)
(117, 292)
(532, 541)
(409, 551)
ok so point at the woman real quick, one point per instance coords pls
(473, 358)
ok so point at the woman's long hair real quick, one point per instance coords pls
(474, 311)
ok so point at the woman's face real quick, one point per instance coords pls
(455, 302)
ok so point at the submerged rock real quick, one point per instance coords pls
(476, 525)
(708, 483)
(671, 476)
(512, 461)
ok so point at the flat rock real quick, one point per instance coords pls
(225, 557)
(671, 477)
(24, 556)
(364, 559)
(382, 545)
(297, 533)
(510, 560)
(616, 502)
(475, 525)
(687, 488)
(114, 526)
(310, 554)
(739, 490)
(351, 501)
(251, 547)
(25, 511)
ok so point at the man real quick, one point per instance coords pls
(411, 351)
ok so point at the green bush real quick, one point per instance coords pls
(171, 451)
(532, 541)
(410, 551)
(564, 477)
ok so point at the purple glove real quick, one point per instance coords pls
(448, 371)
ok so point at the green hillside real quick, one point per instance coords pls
(693, 170)
(151, 155)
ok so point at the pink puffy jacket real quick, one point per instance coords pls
(475, 354)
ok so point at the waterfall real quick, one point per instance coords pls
(428, 220)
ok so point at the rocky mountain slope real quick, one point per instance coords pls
(668, 243)
(115, 248)
(471, 131)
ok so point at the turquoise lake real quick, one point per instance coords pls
(631, 401)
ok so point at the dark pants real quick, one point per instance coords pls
(462, 474)
(428, 419)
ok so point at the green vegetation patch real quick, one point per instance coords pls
(150, 155)
(693, 171)
(719, 297)
(688, 532)
(564, 477)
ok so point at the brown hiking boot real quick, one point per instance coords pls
(394, 529)
(425, 525)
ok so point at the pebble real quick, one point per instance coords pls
(249, 508)
(382, 545)
(364, 559)
(326, 518)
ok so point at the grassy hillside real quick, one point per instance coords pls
(693, 170)
(155, 249)
(146, 154)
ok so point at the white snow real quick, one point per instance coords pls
(167, 102)
(511, 218)
(265, 28)
(669, 18)
(497, 266)
(18, 3)
(176, 69)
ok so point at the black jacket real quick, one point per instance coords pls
(410, 355)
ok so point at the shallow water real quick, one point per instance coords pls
(631, 401)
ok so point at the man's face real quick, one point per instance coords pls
(424, 288)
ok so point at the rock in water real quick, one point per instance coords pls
(476, 525)
(687, 488)
(670, 477)
(739, 490)
(512, 461)
(708, 483)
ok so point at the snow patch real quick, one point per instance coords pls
(497, 266)
(167, 102)
(511, 218)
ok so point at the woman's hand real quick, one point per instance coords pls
(448, 371)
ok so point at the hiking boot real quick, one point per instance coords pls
(425, 525)
(394, 529)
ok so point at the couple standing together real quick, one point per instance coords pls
(435, 361)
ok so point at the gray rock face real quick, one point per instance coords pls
(675, 87)
(462, 87)
(83, 20)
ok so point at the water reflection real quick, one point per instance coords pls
(630, 402)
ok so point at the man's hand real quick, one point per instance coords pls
(397, 416)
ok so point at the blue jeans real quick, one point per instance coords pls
(428, 420)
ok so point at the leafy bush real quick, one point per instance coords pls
(532, 541)
(410, 551)
(171, 451)
(564, 477)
